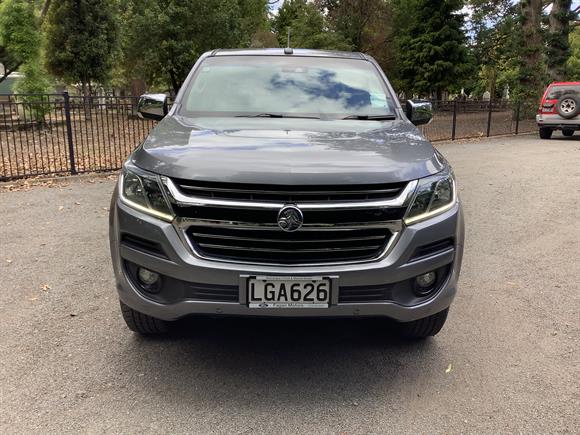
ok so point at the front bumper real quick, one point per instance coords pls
(181, 264)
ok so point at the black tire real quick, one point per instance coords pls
(545, 133)
(568, 106)
(568, 133)
(423, 328)
(142, 323)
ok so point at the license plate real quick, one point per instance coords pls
(288, 292)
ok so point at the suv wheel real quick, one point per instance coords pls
(425, 327)
(142, 323)
(568, 133)
(568, 106)
(545, 133)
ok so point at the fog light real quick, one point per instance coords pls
(147, 277)
(425, 283)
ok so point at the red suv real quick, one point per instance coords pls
(559, 109)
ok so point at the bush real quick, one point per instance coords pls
(35, 81)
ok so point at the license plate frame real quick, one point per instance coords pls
(246, 296)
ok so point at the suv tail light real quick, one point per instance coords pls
(547, 106)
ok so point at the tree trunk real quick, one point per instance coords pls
(86, 99)
(174, 82)
(558, 49)
(44, 11)
(530, 68)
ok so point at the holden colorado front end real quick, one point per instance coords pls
(286, 183)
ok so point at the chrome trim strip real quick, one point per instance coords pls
(186, 200)
(274, 250)
(290, 242)
(288, 192)
(184, 223)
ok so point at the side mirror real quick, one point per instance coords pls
(153, 106)
(419, 111)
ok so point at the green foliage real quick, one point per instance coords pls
(530, 62)
(494, 47)
(163, 39)
(557, 39)
(81, 40)
(308, 26)
(366, 24)
(573, 65)
(19, 35)
(264, 39)
(431, 46)
(35, 81)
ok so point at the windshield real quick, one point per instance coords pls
(290, 86)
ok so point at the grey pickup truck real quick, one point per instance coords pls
(286, 183)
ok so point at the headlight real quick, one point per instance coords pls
(433, 196)
(142, 190)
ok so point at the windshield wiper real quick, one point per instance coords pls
(276, 115)
(371, 117)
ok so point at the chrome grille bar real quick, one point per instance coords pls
(184, 223)
(251, 239)
(289, 192)
(182, 199)
(279, 250)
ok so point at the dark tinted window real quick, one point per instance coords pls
(558, 91)
(286, 85)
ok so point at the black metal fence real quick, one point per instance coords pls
(469, 119)
(64, 134)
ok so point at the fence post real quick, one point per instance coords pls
(489, 119)
(518, 116)
(69, 133)
(454, 120)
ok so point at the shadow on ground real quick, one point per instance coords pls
(256, 362)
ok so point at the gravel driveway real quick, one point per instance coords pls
(507, 360)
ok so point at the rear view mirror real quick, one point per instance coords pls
(419, 111)
(153, 106)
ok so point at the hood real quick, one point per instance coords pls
(287, 151)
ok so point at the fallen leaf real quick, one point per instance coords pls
(45, 287)
(448, 369)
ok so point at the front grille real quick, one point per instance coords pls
(269, 244)
(242, 233)
(290, 194)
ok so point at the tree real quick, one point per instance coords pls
(573, 65)
(494, 25)
(308, 27)
(365, 24)
(530, 59)
(163, 39)
(81, 40)
(19, 35)
(431, 46)
(558, 46)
